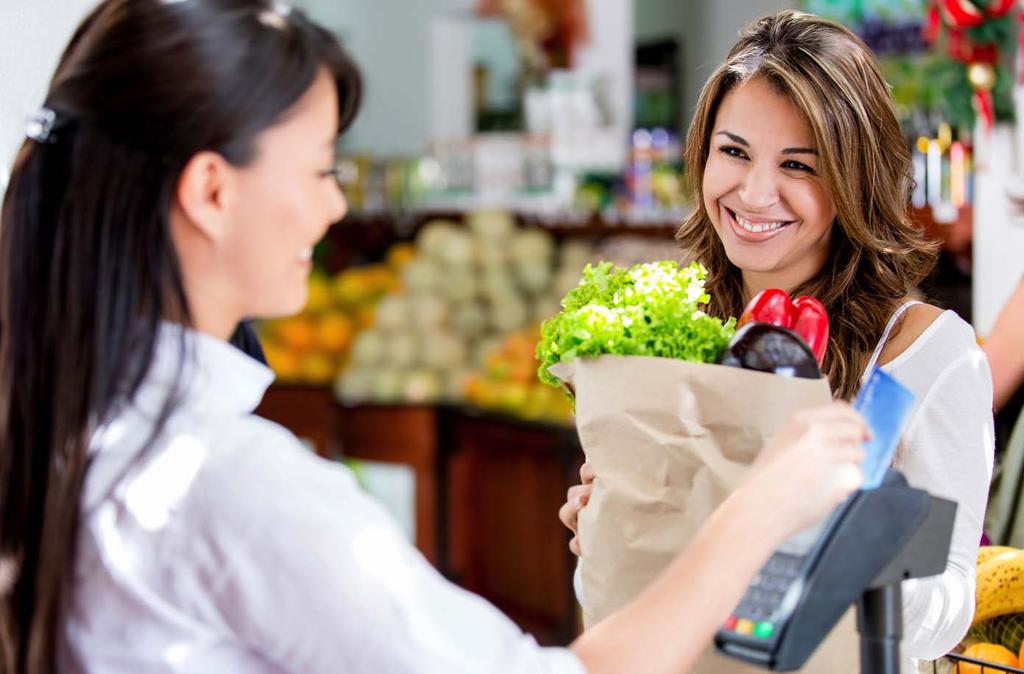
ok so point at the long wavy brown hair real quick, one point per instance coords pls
(877, 256)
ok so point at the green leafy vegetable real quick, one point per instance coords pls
(649, 309)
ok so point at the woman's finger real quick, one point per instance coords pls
(567, 514)
(580, 495)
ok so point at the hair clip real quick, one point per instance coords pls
(40, 125)
(276, 16)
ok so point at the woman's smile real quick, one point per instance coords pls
(753, 229)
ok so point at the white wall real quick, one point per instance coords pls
(390, 40)
(32, 35)
(998, 264)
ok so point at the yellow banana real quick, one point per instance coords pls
(1000, 586)
(987, 552)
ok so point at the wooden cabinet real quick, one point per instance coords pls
(304, 409)
(505, 483)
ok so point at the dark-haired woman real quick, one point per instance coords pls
(176, 181)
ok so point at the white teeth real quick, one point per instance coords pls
(757, 228)
(306, 255)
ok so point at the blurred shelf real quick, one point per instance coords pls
(953, 228)
(365, 236)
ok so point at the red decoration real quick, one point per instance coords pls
(1020, 47)
(960, 13)
(965, 14)
(549, 31)
(985, 107)
(956, 45)
(997, 8)
(931, 26)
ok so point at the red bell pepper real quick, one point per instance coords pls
(771, 306)
(812, 324)
(805, 315)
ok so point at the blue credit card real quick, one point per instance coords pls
(885, 405)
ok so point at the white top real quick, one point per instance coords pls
(231, 549)
(947, 450)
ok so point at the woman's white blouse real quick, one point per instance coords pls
(947, 450)
(229, 548)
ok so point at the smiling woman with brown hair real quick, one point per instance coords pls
(862, 257)
(801, 180)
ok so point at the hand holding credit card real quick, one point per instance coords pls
(885, 405)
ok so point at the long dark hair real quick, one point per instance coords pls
(87, 263)
(877, 255)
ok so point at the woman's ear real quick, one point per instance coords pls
(205, 193)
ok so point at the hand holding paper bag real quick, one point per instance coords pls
(668, 439)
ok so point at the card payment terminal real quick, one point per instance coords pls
(859, 554)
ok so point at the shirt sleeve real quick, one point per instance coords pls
(319, 579)
(949, 453)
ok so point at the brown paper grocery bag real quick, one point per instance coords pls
(669, 440)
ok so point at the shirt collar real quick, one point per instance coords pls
(210, 373)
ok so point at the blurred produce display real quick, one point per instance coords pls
(626, 250)
(451, 314)
(313, 346)
(463, 290)
(507, 383)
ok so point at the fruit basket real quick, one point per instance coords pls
(995, 642)
(964, 664)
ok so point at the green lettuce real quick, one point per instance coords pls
(651, 309)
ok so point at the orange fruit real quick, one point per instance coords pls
(333, 332)
(992, 653)
(318, 296)
(316, 368)
(366, 317)
(350, 287)
(400, 255)
(297, 333)
(283, 362)
(522, 372)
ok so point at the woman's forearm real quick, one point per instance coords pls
(670, 624)
(1004, 356)
(1002, 346)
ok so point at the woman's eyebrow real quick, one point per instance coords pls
(800, 150)
(739, 140)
